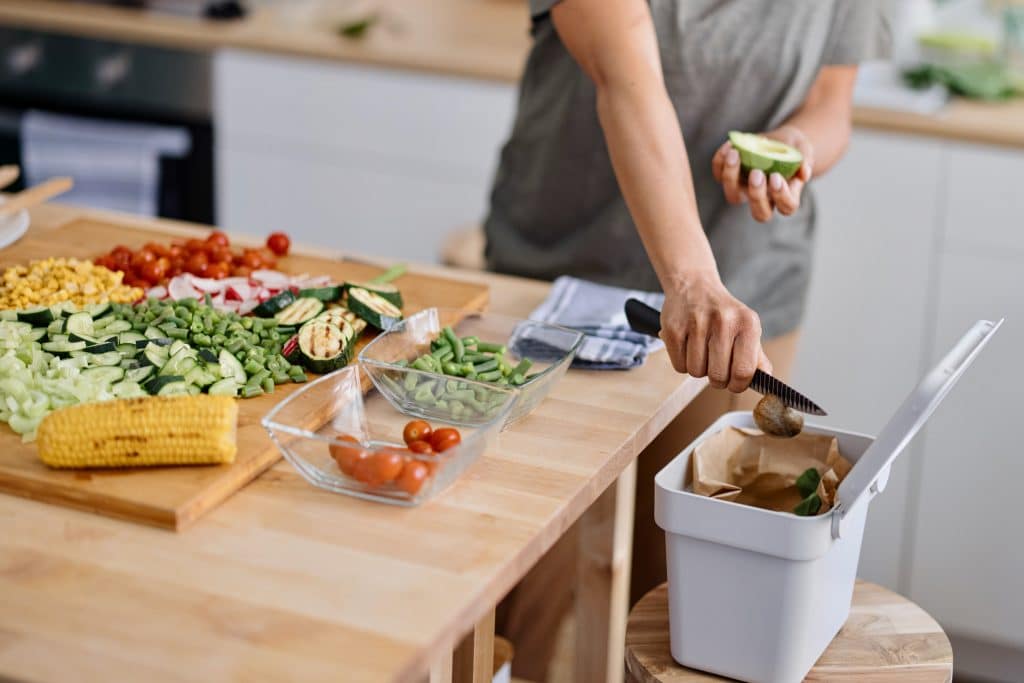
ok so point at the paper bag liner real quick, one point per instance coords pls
(749, 467)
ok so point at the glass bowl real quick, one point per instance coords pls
(315, 420)
(457, 400)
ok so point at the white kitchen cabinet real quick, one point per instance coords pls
(354, 157)
(860, 351)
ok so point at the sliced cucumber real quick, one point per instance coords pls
(385, 290)
(128, 390)
(97, 310)
(300, 311)
(63, 349)
(230, 367)
(110, 358)
(36, 334)
(38, 316)
(207, 356)
(325, 294)
(274, 305)
(171, 385)
(159, 341)
(105, 347)
(766, 154)
(153, 332)
(56, 327)
(374, 309)
(126, 350)
(139, 375)
(115, 327)
(178, 364)
(224, 387)
(80, 325)
(131, 337)
(108, 373)
(156, 355)
(324, 347)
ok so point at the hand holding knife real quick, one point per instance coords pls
(647, 320)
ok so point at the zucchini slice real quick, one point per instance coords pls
(384, 290)
(338, 314)
(171, 385)
(324, 347)
(374, 309)
(224, 387)
(325, 294)
(300, 311)
(79, 326)
(38, 316)
(104, 373)
(274, 305)
(63, 349)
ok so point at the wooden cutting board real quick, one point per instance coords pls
(174, 497)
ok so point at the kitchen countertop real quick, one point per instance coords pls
(288, 582)
(485, 39)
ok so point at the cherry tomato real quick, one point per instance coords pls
(121, 258)
(380, 468)
(158, 249)
(142, 257)
(269, 259)
(132, 281)
(416, 430)
(348, 454)
(445, 438)
(176, 251)
(197, 263)
(195, 245)
(105, 261)
(156, 271)
(421, 447)
(252, 259)
(413, 475)
(218, 238)
(219, 254)
(241, 271)
(279, 243)
(217, 271)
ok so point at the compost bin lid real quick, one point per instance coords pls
(912, 415)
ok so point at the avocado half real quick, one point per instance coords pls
(771, 156)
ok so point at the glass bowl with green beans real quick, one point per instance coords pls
(444, 364)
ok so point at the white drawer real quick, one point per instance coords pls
(397, 115)
(985, 198)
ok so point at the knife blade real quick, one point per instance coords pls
(647, 320)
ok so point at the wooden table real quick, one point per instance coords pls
(887, 639)
(288, 582)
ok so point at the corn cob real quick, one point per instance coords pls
(154, 430)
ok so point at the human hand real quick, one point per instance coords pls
(708, 332)
(765, 195)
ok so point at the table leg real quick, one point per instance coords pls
(441, 671)
(473, 661)
(602, 597)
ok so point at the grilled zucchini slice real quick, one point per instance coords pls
(324, 347)
(373, 308)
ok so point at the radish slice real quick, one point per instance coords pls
(158, 292)
(205, 284)
(271, 278)
(247, 307)
(180, 288)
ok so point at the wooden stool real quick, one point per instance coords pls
(887, 638)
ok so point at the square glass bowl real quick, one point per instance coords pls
(306, 425)
(456, 400)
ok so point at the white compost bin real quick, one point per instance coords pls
(758, 595)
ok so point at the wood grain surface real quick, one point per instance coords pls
(175, 497)
(477, 38)
(887, 639)
(284, 581)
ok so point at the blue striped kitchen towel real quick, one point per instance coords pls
(599, 312)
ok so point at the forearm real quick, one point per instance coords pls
(826, 116)
(649, 157)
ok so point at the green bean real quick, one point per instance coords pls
(452, 369)
(524, 365)
(422, 364)
(279, 376)
(248, 391)
(492, 376)
(440, 351)
(402, 363)
(487, 366)
(410, 381)
(391, 384)
(175, 333)
(470, 341)
(267, 385)
(424, 395)
(297, 374)
(202, 340)
(518, 378)
(490, 348)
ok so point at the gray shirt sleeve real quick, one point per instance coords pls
(860, 31)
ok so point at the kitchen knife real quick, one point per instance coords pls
(647, 320)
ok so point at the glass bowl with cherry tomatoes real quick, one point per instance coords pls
(343, 440)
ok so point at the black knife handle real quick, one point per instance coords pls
(642, 318)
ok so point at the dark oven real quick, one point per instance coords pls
(106, 83)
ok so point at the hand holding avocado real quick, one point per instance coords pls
(756, 169)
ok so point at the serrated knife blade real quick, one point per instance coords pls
(647, 320)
